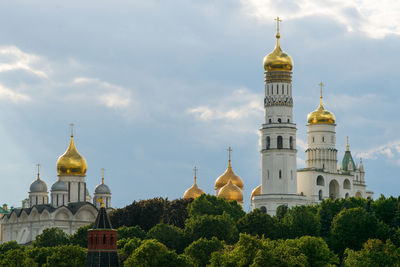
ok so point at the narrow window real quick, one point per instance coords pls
(268, 142)
(279, 120)
(320, 195)
(280, 142)
(270, 121)
(112, 240)
(280, 174)
(268, 174)
(323, 139)
(104, 239)
(288, 120)
(313, 139)
(291, 142)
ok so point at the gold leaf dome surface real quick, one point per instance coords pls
(231, 192)
(321, 115)
(255, 192)
(71, 162)
(193, 192)
(278, 60)
(228, 175)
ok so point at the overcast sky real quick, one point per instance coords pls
(156, 87)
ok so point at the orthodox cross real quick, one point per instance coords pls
(229, 153)
(277, 24)
(38, 170)
(321, 85)
(195, 173)
(102, 175)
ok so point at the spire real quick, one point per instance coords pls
(102, 220)
(321, 106)
(38, 171)
(229, 155)
(102, 175)
(277, 28)
(347, 145)
(72, 129)
(195, 174)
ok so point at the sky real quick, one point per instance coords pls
(155, 88)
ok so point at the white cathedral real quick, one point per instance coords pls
(281, 182)
(69, 208)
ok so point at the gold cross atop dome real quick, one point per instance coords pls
(38, 171)
(72, 129)
(195, 174)
(277, 26)
(321, 85)
(229, 155)
(102, 175)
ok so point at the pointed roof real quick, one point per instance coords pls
(348, 158)
(102, 220)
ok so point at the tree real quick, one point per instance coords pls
(300, 221)
(80, 237)
(257, 223)
(281, 211)
(385, 209)
(126, 247)
(171, 236)
(153, 253)
(51, 237)
(11, 245)
(67, 256)
(373, 253)
(130, 232)
(16, 258)
(351, 228)
(39, 255)
(221, 226)
(315, 249)
(200, 250)
(176, 212)
(212, 205)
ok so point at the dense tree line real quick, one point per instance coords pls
(210, 231)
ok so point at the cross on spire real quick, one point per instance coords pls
(277, 25)
(347, 145)
(195, 169)
(229, 154)
(321, 85)
(38, 170)
(72, 129)
(102, 175)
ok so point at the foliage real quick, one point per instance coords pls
(373, 253)
(351, 228)
(39, 255)
(200, 250)
(51, 237)
(127, 246)
(281, 211)
(153, 253)
(257, 223)
(16, 258)
(67, 256)
(212, 205)
(176, 212)
(385, 209)
(221, 226)
(130, 232)
(80, 237)
(300, 221)
(171, 236)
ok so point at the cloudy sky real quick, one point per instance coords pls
(156, 87)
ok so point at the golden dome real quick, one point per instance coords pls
(256, 192)
(71, 162)
(194, 191)
(231, 192)
(228, 175)
(321, 115)
(278, 60)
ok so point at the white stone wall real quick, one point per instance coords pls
(76, 188)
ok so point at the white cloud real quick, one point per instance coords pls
(8, 94)
(390, 150)
(13, 58)
(375, 18)
(301, 144)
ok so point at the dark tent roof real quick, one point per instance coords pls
(102, 220)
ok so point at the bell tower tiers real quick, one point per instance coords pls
(278, 135)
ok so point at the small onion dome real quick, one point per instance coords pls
(227, 176)
(193, 192)
(59, 186)
(38, 186)
(71, 162)
(321, 115)
(102, 189)
(256, 192)
(231, 192)
(278, 60)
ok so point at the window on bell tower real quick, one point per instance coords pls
(279, 142)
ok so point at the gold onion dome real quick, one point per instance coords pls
(255, 192)
(321, 115)
(228, 175)
(71, 162)
(278, 60)
(231, 192)
(194, 191)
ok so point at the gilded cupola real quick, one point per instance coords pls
(228, 175)
(231, 192)
(321, 115)
(71, 162)
(278, 60)
(256, 191)
(194, 191)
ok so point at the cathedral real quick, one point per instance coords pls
(69, 207)
(281, 182)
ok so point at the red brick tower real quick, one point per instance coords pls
(102, 242)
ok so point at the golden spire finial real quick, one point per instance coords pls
(38, 171)
(72, 129)
(347, 145)
(321, 85)
(229, 156)
(102, 175)
(277, 27)
(195, 174)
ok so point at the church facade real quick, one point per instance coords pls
(281, 182)
(69, 206)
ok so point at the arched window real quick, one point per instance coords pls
(282, 90)
(320, 180)
(291, 142)
(323, 139)
(279, 142)
(279, 120)
(313, 139)
(104, 239)
(320, 195)
(280, 174)
(347, 195)
(268, 142)
(346, 184)
(263, 209)
(277, 90)
(270, 121)
(288, 120)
